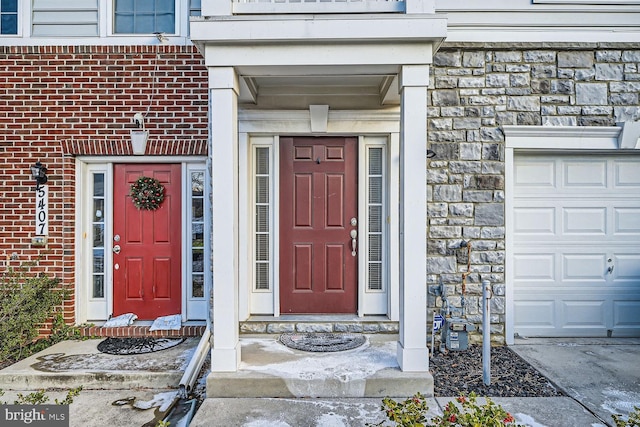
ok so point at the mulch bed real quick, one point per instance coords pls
(460, 372)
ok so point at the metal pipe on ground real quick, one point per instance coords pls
(193, 368)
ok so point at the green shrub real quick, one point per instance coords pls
(632, 421)
(27, 300)
(39, 398)
(466, 412)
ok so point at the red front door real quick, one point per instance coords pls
(146, 269)
(318, 201)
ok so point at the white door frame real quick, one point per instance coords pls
(93, 310)
(263, 128)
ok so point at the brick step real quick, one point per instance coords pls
(142, 331)
(307, 324)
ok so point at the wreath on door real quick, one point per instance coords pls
(147, 193)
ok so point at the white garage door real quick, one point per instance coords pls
(577, 245)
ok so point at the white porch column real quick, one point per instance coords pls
(223, 119)
(412, 346)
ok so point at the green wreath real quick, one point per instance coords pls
(147, 193)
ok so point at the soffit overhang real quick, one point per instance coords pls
(345, 62)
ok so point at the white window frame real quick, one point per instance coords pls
(179, 6)
(195, 308)
(19, 24)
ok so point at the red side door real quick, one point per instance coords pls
(146, 269)
(318, 200)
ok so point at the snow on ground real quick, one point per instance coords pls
(161, 400)
(620, 401)
(527, 420)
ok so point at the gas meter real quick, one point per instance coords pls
(455, 333)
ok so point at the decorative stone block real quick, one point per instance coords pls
(489, 214)
(575, 59)
(445, 98)
(314, 327)
(608, 55)
(447, 193)
(609, 72)
(540, 56)
(448, 59)
(280, 328)
(508, 56)
(523, 103)
(591, 93)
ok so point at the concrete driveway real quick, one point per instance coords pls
(602, 374)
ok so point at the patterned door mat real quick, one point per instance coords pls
(323, 342)
(123, 346)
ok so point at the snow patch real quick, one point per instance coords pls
(265, 423)
(161, 400)
(527, 420)
(332, 420)
(620, 401)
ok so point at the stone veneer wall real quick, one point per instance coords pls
(477, 88)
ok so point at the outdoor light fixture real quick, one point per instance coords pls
(430, 154)
(39, 173)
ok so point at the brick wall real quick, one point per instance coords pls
(60, 101)
(477, 88)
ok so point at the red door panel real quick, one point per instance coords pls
(318, 198)
(147, 278)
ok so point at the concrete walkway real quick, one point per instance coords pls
(600, 376)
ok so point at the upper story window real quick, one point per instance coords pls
(144, 16)
(8, 16)
(195, 8)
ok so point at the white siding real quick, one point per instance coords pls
(69, 18)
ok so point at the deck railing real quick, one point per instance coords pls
(317, 6)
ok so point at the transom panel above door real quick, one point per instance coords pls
(318, 225)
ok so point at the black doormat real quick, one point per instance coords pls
(323, 342)
(122, 346)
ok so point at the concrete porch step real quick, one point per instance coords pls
(70, 364)
(272, 370)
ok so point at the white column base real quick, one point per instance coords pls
(225, 359)
(413, 359)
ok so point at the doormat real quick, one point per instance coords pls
(124, 346)
(323, 342)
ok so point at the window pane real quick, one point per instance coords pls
(197, 236)
(262, 247)
(375, 219)
(98, 286)
(124, 6)
(165, 23)
(9, 24)
(197, 288)
(197, 207)
(145, 5)
(198, 261)
(375, 247)
(98, 210)
(123, 24)
(375, 190)
(98, 235)
(98, 184)
(375, 161)
(375, 277)
(197, 184)
(195, 8)
(98, 260)
(144, 24)
(165, 6)
(9, 6)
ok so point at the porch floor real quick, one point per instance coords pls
(269, 369)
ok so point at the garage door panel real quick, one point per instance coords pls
(584, 267)
(591, 221)
(538, 221)
(585, 173)
(626, 267)
(583, 314)
(626, 221)
(626, 174)
(538, 267)
(536, 173)
(625, 314)
(534, 313)
(575, 217)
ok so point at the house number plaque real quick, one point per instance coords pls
(42, 210)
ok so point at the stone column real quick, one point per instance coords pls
(223, 119)
(412, 346)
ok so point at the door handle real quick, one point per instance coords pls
(354, 242)
(610, 269)
(116, 249)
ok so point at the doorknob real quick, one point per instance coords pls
(354, 242)
(116, 249)
(610, 269)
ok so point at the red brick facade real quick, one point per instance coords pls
(57, 102)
